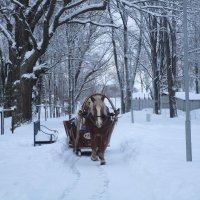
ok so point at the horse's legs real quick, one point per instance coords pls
(101, 157)
(102, 148)
(98, 145)
(94, 156)
(94, 147)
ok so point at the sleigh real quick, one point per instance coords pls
(78, 134)
(71, 129)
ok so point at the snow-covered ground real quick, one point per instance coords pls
(145, 161)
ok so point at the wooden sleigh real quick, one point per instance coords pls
(79, 137)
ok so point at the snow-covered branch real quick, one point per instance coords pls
(7, 34)
(93, 23)
(30, 33)
(74, 4)
(32, 10)
(46, 36)
(37, 11)
(82, 10)
(17, 3)
(163, 8)
(197, 50)
(29, 76)
(143, 6)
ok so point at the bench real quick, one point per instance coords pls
(43, 135)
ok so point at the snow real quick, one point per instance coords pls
(145, 161)
(40, 67)
(192, 96)
(29, 54)
(16, 82)
(29, 76)
(39, 45)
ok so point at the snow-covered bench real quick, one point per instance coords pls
(43, 135)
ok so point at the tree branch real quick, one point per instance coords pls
(93, 7)
(37, 16)
(17, 3)
(7, 35)
(93, 23)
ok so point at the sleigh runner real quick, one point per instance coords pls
(93, 126)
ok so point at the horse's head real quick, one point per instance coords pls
(98, 110)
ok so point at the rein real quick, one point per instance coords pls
(92, 118)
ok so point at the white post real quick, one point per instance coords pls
(186, 85)
(132, 115)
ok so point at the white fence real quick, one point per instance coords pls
(139, 104)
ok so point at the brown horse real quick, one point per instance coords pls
(99, 122)
(100, 125)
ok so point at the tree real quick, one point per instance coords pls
(124, 18)
(162, 44)
(28, 28)
(116, 61)
(78, 58)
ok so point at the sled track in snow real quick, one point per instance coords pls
(71, 162)
(99, 191)
(103, 185)
(74, 182)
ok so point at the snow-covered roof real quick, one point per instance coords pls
(181, 95)
(192, 96)
(141, 95)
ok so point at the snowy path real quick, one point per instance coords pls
(145, 161)
(92, 181)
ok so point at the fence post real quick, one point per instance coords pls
(45, 110)
(2, 122)
(148, 117)
(12, 121)
(132, 116)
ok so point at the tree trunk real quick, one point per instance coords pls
(153, 39)
(128, 97)
(26, 99)
(196, 65)
(127, 71)
(117, 65)
(170, 72)
(137, 58)
(161, 56)
(70, 89)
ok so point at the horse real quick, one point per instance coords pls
(100, 123)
